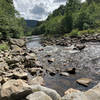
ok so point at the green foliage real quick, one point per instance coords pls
(91, 1)
(4, 46)
(58, 12)
(51, 26)
(89, 31)
(98, 30)
(72, 6)
(10, 26)
(83, 21)
(67, 23)
(74, 33)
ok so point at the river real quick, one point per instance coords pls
(87, 63)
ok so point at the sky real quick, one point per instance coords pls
(37, 9)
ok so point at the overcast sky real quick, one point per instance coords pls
(37, 9)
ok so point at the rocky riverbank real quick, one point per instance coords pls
(68, 41)
(24, 72)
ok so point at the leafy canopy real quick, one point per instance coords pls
(10, 25)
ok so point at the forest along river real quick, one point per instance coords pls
(86, 62)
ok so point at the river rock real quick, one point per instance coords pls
(37, 81)
(18, 42)
(1, 60)
(51, 71)
(38, 96)
(16, 65)
(84, 81)
(4, 79)
(51, 60)
(31, 56)
(71, 90)
(64, 74)
(16, 48)
(1, 55)
(20, 75)
(41, 49)
(14, 90)
(14, 60)
(0, 79)
(38, 64)
(94, 93)
(71, 70)
(50, 92)
(80, 46)
(91, 94)
(75, 96)
(34, 71)
(30, 60)
(48, 55)
(4, 66)
(7, 53)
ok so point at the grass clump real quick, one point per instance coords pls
(4, 46)
(74, 33)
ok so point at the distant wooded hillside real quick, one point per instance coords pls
(31, 23)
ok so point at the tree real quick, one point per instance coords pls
(10, 25)
(91, 1)
(72, 6)
(83, 21)
(67, 23)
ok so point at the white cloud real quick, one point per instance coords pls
(37, 9)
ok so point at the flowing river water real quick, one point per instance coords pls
(87, 63)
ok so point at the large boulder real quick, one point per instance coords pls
(14, 60)
(20, 75)
(91, 94)
(14, 90)
(94, 93)
(31, 56)
(75, 96)
(37, 81)
(71, 90)
(38, 96)
(84, 81)
(50, 92)
(18, 42)
(4, 66)
(16, 48)
(30, 60)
